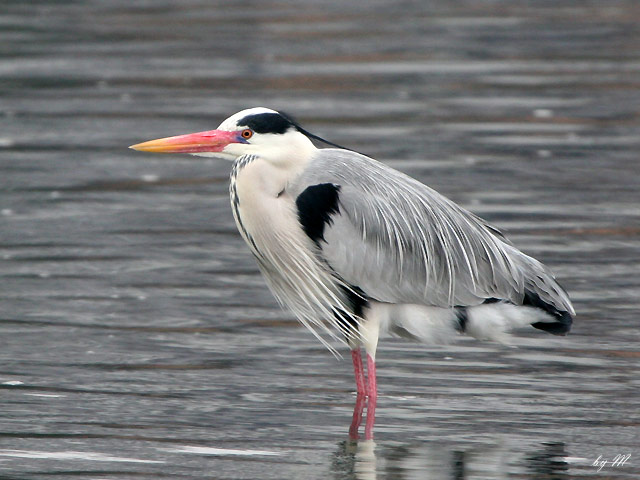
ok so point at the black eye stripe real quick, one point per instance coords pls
(278, 123)
(266, 123)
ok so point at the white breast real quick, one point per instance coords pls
(267, 218)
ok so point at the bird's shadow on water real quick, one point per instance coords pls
(365, 460)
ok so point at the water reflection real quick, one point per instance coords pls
(364, 460)
(355, 459)
(549, 462)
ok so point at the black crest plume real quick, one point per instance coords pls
(307, 133)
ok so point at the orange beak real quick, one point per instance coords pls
(209, 141)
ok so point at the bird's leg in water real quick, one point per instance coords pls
(361, 391)
(358, 408)
(372, 383)
(370, 331)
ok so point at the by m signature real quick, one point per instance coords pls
(617, 461)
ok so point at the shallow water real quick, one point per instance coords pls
(138, 339)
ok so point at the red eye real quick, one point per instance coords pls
(247, 134)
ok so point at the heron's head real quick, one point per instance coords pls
(260, 131)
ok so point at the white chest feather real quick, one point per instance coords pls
(262, 209)
(267, 218)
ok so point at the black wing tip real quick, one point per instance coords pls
(563, 322)
(561, 327)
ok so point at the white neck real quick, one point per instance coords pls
(284, 150)
(279, 159)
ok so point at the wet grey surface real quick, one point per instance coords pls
(137, 337)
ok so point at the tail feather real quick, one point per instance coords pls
(562, 319)
(494, 321)
(491, 320)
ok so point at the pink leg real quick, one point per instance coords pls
(366, 391)
(361, 388)
(373, 398)
(357, 417)
(372, 389)
(358, 370)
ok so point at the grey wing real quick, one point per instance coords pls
(399, 241)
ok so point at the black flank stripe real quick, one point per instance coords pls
(491, 300)
(357, 301)
(463, 318)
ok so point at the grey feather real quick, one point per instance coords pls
(402, 242)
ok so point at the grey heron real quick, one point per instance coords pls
(356, 249)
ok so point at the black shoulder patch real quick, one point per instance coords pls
(564, 320)
(266, 123)
(315, 205)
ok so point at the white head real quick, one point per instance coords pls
(259, 131)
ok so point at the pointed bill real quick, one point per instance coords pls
(209, 141)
